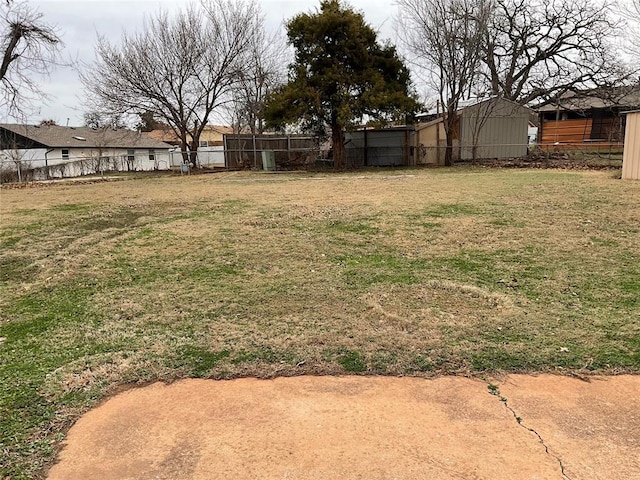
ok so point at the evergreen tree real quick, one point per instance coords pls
(340, 75)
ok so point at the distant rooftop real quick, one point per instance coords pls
(56, 136)
(168, 135)
(618, 97)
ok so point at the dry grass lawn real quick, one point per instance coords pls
(405, 272)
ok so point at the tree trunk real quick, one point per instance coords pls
(193, 153)
(449, 127)
(337, 137)
(184, 147)
(448, 153)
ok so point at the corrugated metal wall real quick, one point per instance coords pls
(631, 157)
(381, 148)
(494, 131)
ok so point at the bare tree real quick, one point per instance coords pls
(536, 50)
(106, 128)
(629, 37)
(179, 68)
(30, 47)
(99, 121)
(265, 71)
(444, 38)
(16, 155)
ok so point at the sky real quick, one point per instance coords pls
(80, 22)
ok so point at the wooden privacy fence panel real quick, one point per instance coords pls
(566, 131)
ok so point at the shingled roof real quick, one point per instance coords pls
(56, 136)
(620, 97)
(168, 135)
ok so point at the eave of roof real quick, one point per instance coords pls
(56, 136)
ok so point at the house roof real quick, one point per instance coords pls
(169, 136)
(220, 129)
(469, 106)
(163, 135)
(620, 97)
(56, 136)
(421, 126)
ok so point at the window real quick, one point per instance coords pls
(204, 143)
(152, 155)
(65, 154)
(131, 155)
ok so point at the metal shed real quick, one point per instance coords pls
(631, 155)
(386, 147)
(494, 128)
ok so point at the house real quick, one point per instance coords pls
(592, 120)
(57, 151)
(210, 146)
(492, 128)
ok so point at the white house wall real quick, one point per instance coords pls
(89, 161)
(23, 155)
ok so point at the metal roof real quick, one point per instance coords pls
(56, 136)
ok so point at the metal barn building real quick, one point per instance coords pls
(493, 128)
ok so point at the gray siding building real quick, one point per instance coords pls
(494, 128)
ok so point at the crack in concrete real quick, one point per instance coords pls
(495, 391)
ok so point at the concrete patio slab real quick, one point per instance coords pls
(361, 428)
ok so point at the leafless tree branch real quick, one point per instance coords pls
(180, 68)
(537, 50)
(445, 38)
(30, 48)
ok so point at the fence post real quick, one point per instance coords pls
(366, 147)
(224, 150)
(255, 154)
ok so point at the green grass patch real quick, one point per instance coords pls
(73, 207)
(352, 361)
(16, 268)
(366, 270)
(355, 227)
(200, 360)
